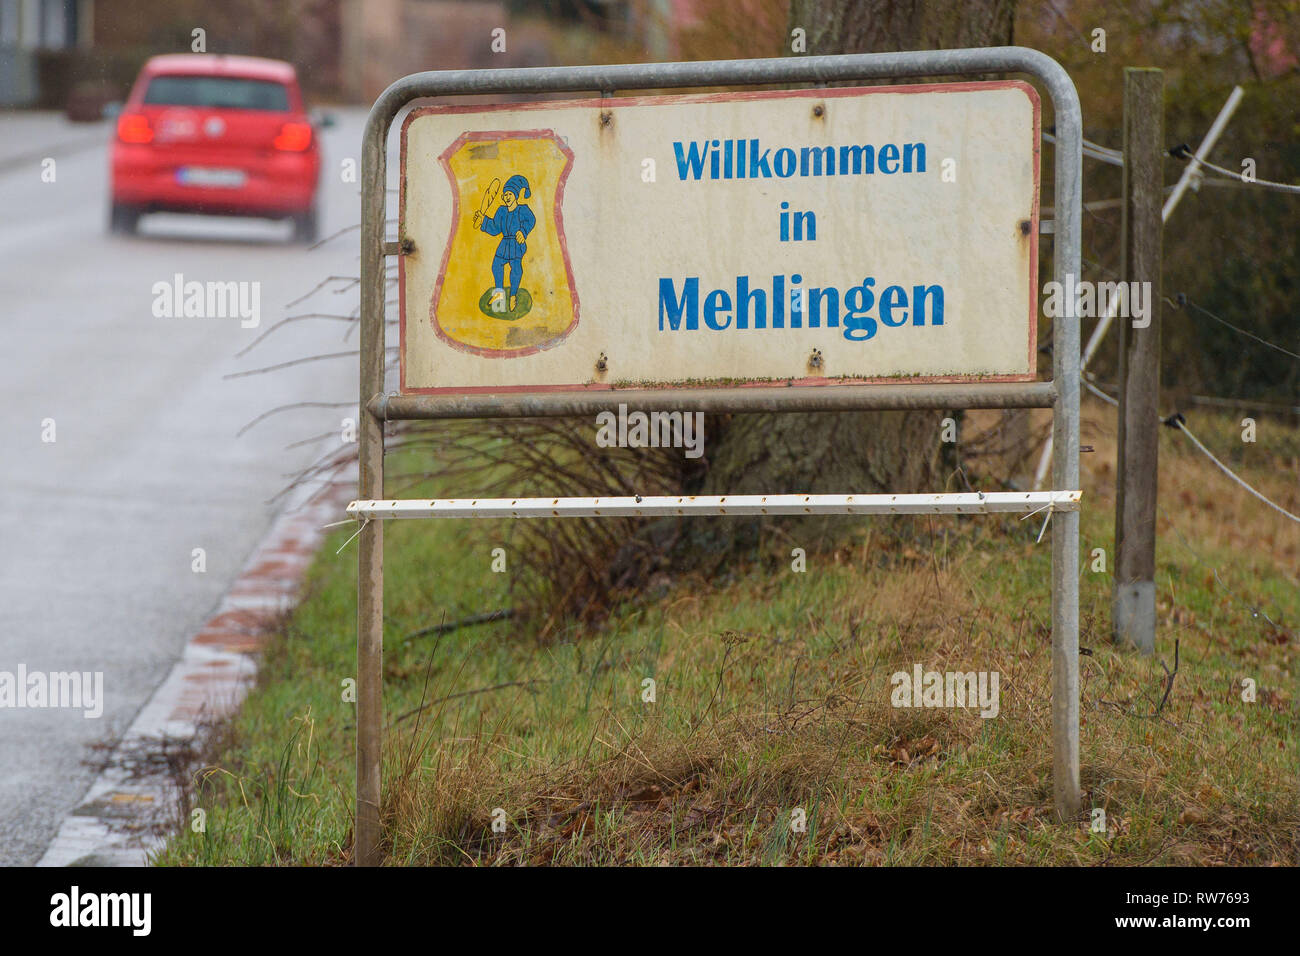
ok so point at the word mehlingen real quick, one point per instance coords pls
(653, 430)
(949, 689)
(75, 690)
(813, 308)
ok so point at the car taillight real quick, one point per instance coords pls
(134, 128)
(293, 137)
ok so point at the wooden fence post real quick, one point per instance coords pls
(1133, 614)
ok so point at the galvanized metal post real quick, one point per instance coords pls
(812, 70)
(370, 451)
(1065, 464)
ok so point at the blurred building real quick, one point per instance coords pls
(28, 27)
(386, 39)
(65, 53)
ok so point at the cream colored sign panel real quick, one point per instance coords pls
(820, 236)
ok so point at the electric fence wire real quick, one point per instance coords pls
(1095, 151)
(1177, 421)
(1114, 157)
(1182, 298)
(1255, 609)
(1182, 152)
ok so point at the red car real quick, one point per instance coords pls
(222, 135)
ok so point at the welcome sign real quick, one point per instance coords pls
(809, 237)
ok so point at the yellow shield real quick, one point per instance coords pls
(506, 288)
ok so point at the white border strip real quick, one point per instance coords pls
(1008, 502)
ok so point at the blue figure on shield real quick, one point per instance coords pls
(512, 222)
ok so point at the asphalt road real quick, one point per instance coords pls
(98, 527)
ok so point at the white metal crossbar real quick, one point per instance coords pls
(994, 502)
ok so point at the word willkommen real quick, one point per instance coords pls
(744, 159)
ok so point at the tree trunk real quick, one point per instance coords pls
(845, 452)
(890, 26)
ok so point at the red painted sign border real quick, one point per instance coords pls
(658, 100)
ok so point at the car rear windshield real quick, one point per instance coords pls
(224, 92)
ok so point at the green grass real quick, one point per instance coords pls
(773, 696)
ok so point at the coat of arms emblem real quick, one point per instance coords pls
(506, 287)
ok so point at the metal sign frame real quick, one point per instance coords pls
(1061, 394)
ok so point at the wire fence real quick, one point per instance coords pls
(1114, 157)
(1184, 300)
(1221, 176)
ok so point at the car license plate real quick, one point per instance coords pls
(202, 176)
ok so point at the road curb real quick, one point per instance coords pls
(132, 805)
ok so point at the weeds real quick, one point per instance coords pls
(771, 739)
